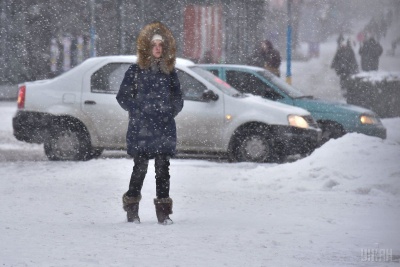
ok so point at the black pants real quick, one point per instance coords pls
(161, 164)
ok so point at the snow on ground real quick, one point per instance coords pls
(323, 210)
(335, 207)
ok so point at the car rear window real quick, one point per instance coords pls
(108, 78)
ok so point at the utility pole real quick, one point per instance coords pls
(4, 37)
(92, 29)
(121, 27)
(289, 43)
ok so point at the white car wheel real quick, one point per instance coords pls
(253, 146)
(67, 144)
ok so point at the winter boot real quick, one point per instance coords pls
(131, 206)
(163, 210)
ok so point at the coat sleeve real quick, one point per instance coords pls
(335, 62)
(276, 62)
(176, 94)
(361, 50)
(379, 50)
(126, 94)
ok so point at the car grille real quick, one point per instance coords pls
(310, 120)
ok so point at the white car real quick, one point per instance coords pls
(76, 115)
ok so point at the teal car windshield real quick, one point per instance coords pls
(217, 82)
(282, 85)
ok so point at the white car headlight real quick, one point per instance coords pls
(367, 119)
(297, 121)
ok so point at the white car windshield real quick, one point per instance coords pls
(216, 81)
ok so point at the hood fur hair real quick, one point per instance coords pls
(144, 48)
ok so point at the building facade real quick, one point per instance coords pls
(43, 38)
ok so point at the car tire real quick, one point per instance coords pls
(330, 130)
(252, 146)
(68, 144)
(96, 152)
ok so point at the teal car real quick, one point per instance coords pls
(334, 118)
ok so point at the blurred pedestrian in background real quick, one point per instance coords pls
(207, 58)
(395, 42)
(266, 56)
(370, 51)
(344, 63)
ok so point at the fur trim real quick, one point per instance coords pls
(130, 200)
(166, 203)
(163, 200)
(144, 48)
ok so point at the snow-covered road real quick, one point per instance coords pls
(333, 208)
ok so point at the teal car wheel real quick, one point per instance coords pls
(331, 130)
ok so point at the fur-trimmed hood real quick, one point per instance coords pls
(144, 48)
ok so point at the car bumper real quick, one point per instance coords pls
(372, 130)
(293, 140)
(30, 127)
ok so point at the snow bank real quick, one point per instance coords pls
(375, 77)
(353, 164)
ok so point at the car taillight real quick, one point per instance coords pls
(21, 97)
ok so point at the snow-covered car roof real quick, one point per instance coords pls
(93, 62)
(133, 58)
(233, 66)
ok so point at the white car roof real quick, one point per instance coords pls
(232, 66)
(95, 61)
(133, 58)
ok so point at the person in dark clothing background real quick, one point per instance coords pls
(207, 58)
(151, 93)
(266, 56)
(344, 62)
(370, 51)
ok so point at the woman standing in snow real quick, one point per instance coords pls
(151, 93)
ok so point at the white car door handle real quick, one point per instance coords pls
(90, 102)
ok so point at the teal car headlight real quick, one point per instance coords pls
(297, 121)
(368, 119)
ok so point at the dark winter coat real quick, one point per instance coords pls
(151, 93)
(269, 59)
(370, 52)
(257, 58)
(273, 61)
(273, 58)
(344, 62)
(152, 108)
